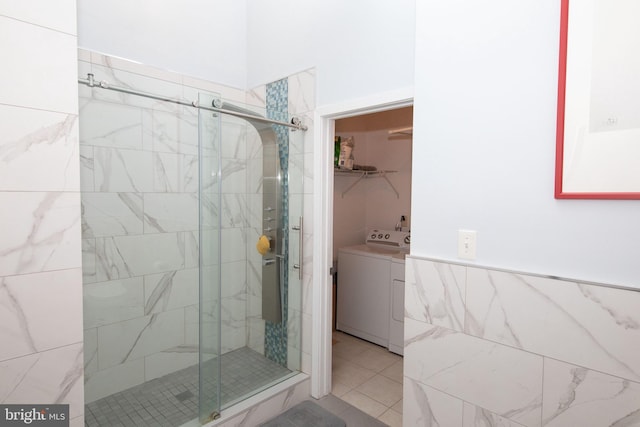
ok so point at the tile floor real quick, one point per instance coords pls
(368, 377)
(172, 400)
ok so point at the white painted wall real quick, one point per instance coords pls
(485, 105)
(358, 47)
(198, 38)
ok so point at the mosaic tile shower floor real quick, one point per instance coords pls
(172, 400)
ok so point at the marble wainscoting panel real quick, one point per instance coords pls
(294, 338)
(112, 380)
(302, 91)
(475, 416)
(588, 325)
(435, 293)
(122, 170)
(35, 140)
(576, 396)
(120, 257)
(170, 290)
(105, 124)
(502, 379)
(133, 339)
(167, 212)
(175, 173)
(111, 214)
(113, 301)
(37, 314)
(51, 376)
(44, 233)
(426, 406)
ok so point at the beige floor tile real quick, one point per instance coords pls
(394, 372)
(382, 389)
(339, 389)
(376, 360)
(391, 418)
(397, 407)
(364, 403)
(351, 375)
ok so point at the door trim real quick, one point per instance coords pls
(324, 129)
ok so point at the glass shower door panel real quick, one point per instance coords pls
(209, 261)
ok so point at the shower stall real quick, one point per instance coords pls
(192, 231)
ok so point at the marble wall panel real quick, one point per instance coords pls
(534, 351)
(38, 140)
(175, 173)
(50, 376)
(170, 360)
(577, 396)
(112, 380)
(111, 125)
(168, 212)
(111, 214)
(504, 380)
(87, 175)
(540, 314)
(113, 301)
(170, 290)
(133, 339)
(41, 51)
(45, 232)
(37, 313)
(122, 170)
(302, 91)
(425, 406)
(129, 256)
(88, 260)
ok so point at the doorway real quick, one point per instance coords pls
(326, 129)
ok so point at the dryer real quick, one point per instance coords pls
(364, 285)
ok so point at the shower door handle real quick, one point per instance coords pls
(298, 266)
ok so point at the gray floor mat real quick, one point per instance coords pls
(305, 414)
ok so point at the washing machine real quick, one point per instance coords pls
(364, 290)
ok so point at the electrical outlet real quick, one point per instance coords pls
(467, 244)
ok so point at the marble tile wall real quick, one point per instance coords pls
(140, 219)
(40, 258)
(487, 347)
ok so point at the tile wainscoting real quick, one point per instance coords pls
(489, 347)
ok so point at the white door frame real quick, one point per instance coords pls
(324, 125)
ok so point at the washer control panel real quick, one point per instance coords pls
(390, 238)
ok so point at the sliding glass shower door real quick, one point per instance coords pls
(251, 199)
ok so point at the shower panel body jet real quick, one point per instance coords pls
(272, 217)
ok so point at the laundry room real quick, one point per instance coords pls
(371, 237)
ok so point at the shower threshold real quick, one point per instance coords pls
(172, 400)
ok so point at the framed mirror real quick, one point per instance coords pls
(598, 123)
